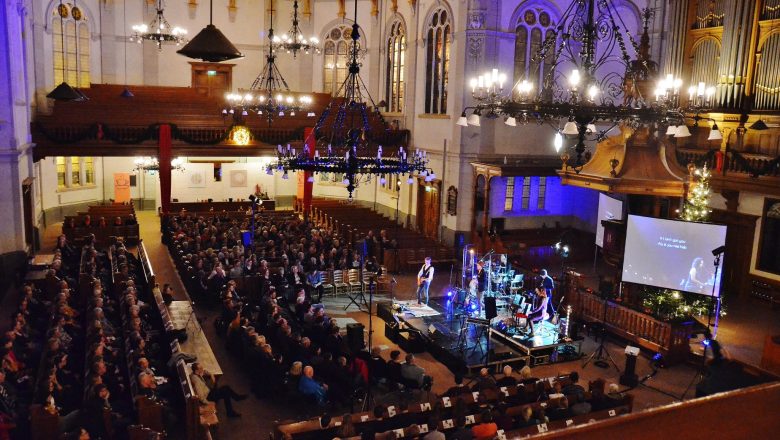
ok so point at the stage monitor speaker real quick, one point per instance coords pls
(411, 341)
(391, 331)
(384, 310)
(355, 335)
(490, 307)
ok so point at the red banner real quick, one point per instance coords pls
(164, 156)
(304, 186)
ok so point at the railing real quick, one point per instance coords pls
(734, 162)
(670, 339)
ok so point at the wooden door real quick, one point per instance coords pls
(428, 209)
(212, 79)
(740, 231)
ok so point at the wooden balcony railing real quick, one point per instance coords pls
(744, 164)
(670, 339)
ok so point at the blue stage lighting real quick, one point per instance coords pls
(449, 293)
(657, 357)
(706, 342)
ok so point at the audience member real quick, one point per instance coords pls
(205, 387)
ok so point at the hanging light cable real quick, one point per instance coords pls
(126, 93)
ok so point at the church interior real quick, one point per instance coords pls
(384, 219)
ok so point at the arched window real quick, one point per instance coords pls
(337, 48)
(534, 26)
(396, 52)
(76, 59)
(437, 62)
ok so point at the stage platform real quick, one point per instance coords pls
(463, 347)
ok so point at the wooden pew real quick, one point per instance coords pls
(138, 432)
(199, 420)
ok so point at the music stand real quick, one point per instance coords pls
(358, 296)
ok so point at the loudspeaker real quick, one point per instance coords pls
(629, 377)
(355, 336)
(384, 310)
(490, 307)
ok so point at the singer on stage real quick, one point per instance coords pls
(548, 285)
(481, 284)
(424, 278)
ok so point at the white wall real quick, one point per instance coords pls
(54, 197)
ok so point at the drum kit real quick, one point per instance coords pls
(500, 281)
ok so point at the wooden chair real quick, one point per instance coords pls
(327, 283)
(354, 283)
(367, 278)
(338, 282)
(383, 282)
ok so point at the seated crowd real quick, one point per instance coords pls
(277, 325)
(510, 405)
(80, 347)
(289, 252)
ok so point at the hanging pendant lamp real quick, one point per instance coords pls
(210, 44)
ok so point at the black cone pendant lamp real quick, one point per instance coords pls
(64, 91)
(210, 44)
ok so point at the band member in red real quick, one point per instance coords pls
(424, 278)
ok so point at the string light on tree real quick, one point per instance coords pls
(696, 207)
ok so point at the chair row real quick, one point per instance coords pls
(355, 281)
(103, 236)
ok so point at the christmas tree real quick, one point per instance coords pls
(696, 207)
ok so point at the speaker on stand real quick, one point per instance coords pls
(629, 377)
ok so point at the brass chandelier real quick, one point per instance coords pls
(159, 30)
(294, 41)
(269, 95)
(604, 85)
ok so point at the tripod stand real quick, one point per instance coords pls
(709, 337)
(601, 354)
(368, 401)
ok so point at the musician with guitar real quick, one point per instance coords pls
(548, 285)
(424, 278)
(481, 283)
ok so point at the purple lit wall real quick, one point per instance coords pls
(569, 205)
